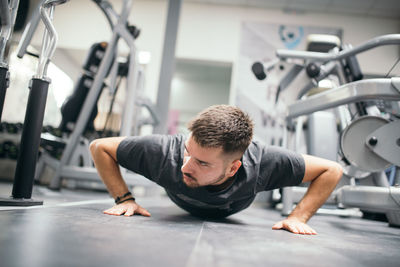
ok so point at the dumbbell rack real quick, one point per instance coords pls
(10, 135)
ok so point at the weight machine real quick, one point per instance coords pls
(75, 162)
(369, 143)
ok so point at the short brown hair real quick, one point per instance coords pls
(222, 126)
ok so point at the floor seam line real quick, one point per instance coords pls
(195, 245)
(68, 204)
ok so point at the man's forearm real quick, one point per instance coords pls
(317, 193)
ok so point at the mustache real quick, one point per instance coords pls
(190, 176)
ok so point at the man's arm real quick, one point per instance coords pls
(104, 154)
(324, 176)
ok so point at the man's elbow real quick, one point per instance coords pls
(94, 147)
(335, 171)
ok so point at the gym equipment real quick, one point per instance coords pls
(72, 158)
(8, 13)
(260, 70)
(73, 104)
(30, 138)
(369, 144)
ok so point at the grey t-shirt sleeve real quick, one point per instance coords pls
(147, 155)
(279, 167)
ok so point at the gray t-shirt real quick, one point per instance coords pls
(160, 158)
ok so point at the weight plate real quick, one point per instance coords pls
(354, 147)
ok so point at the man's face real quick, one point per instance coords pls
(203, 166)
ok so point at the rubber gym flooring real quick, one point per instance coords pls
(70, 230)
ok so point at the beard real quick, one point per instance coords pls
(192, 182)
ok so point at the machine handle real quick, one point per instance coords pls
(50, 37)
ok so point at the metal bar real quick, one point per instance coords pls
(384, 89)
(287, 200)
(49, 42)
(5, 18)
(389, 39)
(29, 31)
(6, 27)
(9, 11)
(370, 197)
(130, 108)
(108, 11)
(13, 15)
(167, 64)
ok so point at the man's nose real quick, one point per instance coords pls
(186, 167)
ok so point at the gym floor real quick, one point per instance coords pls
(70, 230)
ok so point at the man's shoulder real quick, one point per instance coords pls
(260, 147)
(253, 151)
(154, 144)
(260, 153)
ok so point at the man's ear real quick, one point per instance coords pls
(235, 165)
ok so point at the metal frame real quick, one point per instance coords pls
(33, 122)
(385, 89)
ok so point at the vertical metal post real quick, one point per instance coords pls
(167, 64)
(129, 116)
(4, 82)
(287, 192)
(397, 177)
(30, 140)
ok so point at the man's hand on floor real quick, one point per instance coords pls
(127, 208)
(295, 226)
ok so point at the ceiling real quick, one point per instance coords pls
(376, 8)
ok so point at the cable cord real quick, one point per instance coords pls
(394, 65)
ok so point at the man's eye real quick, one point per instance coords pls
(203, 164)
